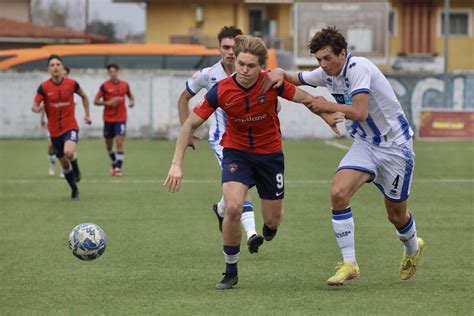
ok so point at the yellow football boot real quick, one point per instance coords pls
(410, 263)
(345, 271)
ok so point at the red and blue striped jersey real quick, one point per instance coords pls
(251, 116)
(109, 90)
(58, 99)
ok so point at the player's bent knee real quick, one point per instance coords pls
(397, 219)
(233, 211)
(273, 222)
(69, 154)
(339, 197)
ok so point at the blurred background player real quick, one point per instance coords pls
(205, 79)
(111, 95)
(56, 97)
(51, 155)
(382, 151)
(252, 154)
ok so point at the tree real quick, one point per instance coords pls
(106, 29)
(55, 14)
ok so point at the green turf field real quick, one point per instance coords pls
(164, 252)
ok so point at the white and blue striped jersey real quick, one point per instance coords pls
(205, 79)
(386, 122)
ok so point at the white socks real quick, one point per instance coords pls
(407, 235)
(221, 207)
(343, 226)
(52, 158)
(248, 219)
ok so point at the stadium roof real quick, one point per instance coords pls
(17, 31)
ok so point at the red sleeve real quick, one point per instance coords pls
(287, 90)
(129, 92)
(39, 95)
(39, 98)
(101, 91)
(204, 109)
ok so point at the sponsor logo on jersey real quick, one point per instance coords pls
(227, 104)
(250, 119)
(58, 104)
(339, 98)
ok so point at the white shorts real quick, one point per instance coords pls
(391, 167)
(217, 149)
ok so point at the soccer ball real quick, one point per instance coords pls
(87, 241)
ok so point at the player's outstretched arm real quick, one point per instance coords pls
(42, 116)
(175, 174)
(131, 98)
(183, 106)
(274, 79)
(85, 104)
(331, 119)
(358, 111)
(183, 111)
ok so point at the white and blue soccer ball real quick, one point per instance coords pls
(87, 241)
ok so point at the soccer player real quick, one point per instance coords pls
(205, 79)
(382, 151)
(252, 154)
(111, 95)
(51, 155)
(56, 97)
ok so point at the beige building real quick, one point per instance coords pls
(18, 10)
(411, 37)
(171, 21)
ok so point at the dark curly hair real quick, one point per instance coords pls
(112, 66)
(54, 56)
(228, 31)
(328, 36)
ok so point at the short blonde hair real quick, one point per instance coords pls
(252, 45)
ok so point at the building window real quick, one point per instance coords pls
(459, 22)
(257, 21)
(392, 22)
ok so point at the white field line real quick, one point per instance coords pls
(336, 144)
(203, 181)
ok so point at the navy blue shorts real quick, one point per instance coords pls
(112, 129)
(58, 142)
(265, 171)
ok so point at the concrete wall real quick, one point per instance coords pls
(156, 114)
